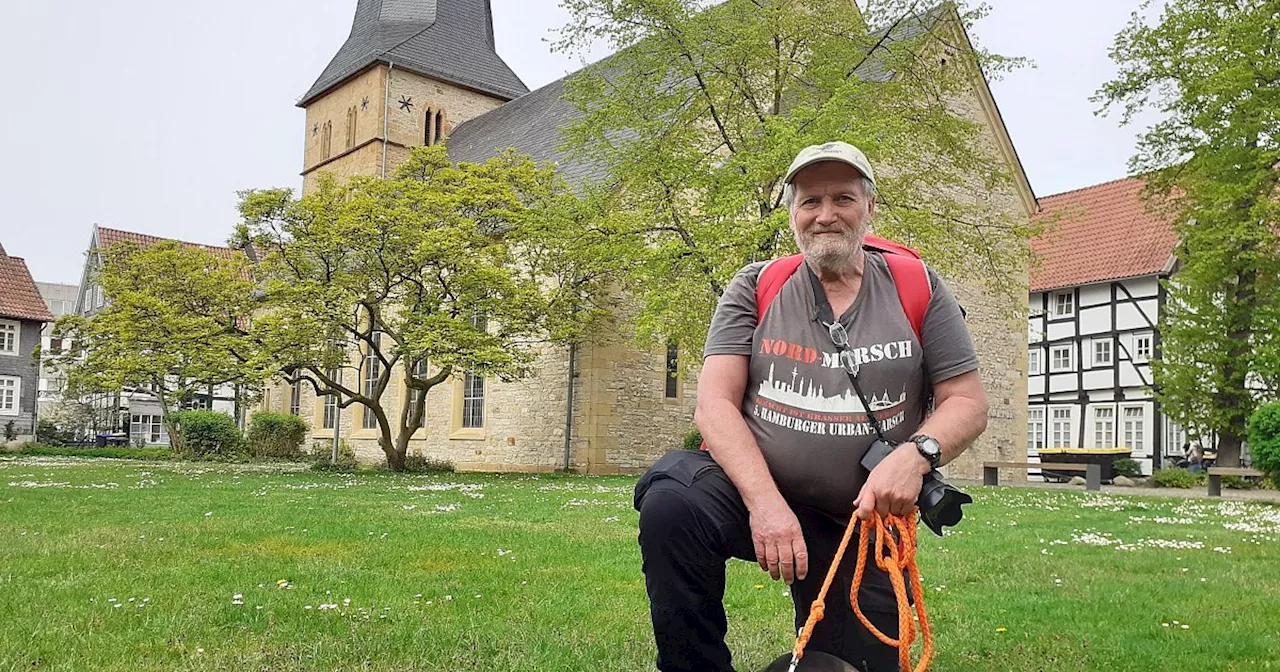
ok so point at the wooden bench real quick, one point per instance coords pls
(1216, 474)
(1092, 472)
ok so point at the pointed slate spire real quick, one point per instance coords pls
(450, 40)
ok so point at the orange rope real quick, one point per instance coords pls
(901, 556)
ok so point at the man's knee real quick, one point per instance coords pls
(665, 511)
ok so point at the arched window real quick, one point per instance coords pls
(326, 140)
(433, 131)
(351, 127)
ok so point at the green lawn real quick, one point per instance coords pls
(113, 565)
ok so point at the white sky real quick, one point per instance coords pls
(149, 115)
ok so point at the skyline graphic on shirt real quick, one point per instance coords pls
(803, 394)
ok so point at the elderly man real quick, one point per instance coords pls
(785, 429)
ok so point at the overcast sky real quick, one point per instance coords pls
(148, 115)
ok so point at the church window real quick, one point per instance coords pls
(326, 140)
(673, 371)
(433, 132)
(372, 374)
(351, 127)
(473, 391)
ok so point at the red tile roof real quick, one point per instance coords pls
(19, 297)
(1103, 232)
(108, 237)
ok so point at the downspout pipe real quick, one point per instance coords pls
(568, 408)
(386, 104)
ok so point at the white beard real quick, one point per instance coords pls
(835, 256)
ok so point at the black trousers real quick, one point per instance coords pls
(692, 520)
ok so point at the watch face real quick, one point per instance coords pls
(929, 446)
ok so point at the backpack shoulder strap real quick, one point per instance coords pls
(909, 276)
(914, 291)
(771, 279)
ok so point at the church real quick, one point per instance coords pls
(414, 72)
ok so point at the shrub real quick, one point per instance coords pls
(693, 440)
(322, 452)
(276, 435)
(10, 431)
(1176, 478)
(1237, 483)
(418, 464)
(116, 453)
(1126, 467)
(206, 434)
(50, 434)
(1264, 439)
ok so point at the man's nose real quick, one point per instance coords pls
(827, 212)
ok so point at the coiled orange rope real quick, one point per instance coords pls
(897, 536)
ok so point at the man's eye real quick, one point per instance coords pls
(844, 198)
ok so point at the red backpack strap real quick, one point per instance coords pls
(771, 279)
(885, 245)
(914, 291)
(909, 276)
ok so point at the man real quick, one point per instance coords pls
(786, 431)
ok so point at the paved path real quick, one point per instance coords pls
(1198, 492)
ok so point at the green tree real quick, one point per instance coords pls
(438, 270)
(700, 112)
(1212, 70)
(174, 325)
(1264, 440)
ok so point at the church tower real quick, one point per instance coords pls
(408, 73)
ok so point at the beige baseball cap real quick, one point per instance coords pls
(831, 151)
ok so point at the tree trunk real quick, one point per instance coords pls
(400, 451)
(175, 437)
(1235, 396)
(1228, 449)
(395, 453)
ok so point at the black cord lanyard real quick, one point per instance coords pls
(848, 361)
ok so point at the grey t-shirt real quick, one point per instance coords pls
(799, 403)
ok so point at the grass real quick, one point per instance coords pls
(483, 572)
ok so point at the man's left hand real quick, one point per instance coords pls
(894, 485)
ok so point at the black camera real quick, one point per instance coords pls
(939, 502)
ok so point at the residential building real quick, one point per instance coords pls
(1094, 305)
(22, 315)
(135, 410)
(61, 300)
(412, 73)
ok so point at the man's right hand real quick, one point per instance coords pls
(779, 542)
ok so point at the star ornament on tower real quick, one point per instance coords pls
(406, 103)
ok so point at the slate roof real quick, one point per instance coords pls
(905, 29)
(19, 297)
(451, 40)
(1103, 232)
(532, 123)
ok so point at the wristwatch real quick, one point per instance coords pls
(929, 448)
